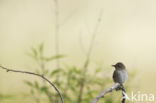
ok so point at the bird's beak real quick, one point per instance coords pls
(113, 65)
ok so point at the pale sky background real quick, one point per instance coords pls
(127, 33)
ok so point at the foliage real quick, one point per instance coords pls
(69, 81)
(5, 96)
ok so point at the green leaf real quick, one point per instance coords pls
(55, 72)
(34, 51)
(41, 47)
(44, 89)
(53, 57)
(28, 83)
(98, 70)
(8, 96)
(36, 85)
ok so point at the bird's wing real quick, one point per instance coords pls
(116, 77)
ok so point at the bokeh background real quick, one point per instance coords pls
(125, 33)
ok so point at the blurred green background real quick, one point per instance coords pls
(28, 29)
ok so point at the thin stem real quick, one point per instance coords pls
(85, 68)
(57, 31)
(41, 76)
(57, 28)
(94, 35)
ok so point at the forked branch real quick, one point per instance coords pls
(41, 76)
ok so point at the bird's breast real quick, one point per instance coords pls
(120, 76)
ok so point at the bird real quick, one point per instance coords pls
(120, 74)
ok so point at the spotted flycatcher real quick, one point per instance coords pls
(120, 74)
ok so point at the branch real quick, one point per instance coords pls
(41, 76)
(101, 95)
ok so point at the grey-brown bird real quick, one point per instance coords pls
(120, 74)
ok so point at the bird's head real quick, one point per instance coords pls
(119, 66)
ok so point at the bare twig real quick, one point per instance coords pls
(101, 95)
(85, 68)
(68, 18)
(82, 45)
(57, 28)
(41, 76)
(94, 35)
